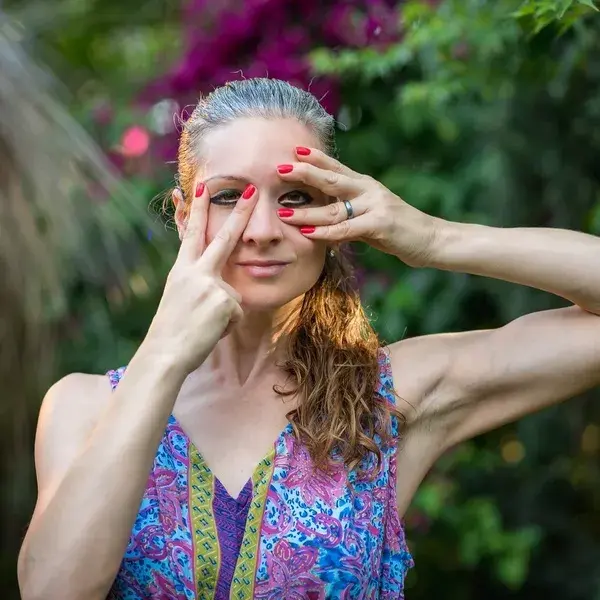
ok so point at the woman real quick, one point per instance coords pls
(259, 337)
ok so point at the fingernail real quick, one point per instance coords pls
(302, 151)
(307, 229)
(250, 189)
(285, 212)
(199, 190)
(285, 168)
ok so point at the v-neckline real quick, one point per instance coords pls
(193, 449)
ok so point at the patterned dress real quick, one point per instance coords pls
(293, 533)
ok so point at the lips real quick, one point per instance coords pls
(262, 263)
(263, 268)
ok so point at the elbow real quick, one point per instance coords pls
(44, 583)
(33, 584)
(37, 590)
(26, 583)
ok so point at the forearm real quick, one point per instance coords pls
(75, 547)
(563, 262)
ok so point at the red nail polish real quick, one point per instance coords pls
(307, 229)
(285, 212)
(302, 151)
(248, 192)
(199, 190)
(285, 168)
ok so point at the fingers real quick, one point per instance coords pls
(346, 231)
(194, 237)
(329, 182)
(235, 318)
(323, 215)
(237, 313)
(218, 251)
(318, 158)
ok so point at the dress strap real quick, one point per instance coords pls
(386, 386)
(114, 376)
(386, 380)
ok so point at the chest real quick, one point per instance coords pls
(232, 430)
(307, 534)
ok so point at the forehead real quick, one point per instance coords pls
(248, 147)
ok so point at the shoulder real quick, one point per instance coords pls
(68, 413)
(77, 396)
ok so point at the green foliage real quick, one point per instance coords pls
(542, 13)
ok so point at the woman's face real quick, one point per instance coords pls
(247, 151)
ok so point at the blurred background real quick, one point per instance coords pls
(472, 110)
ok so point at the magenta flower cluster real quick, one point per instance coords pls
(256, 38)
(231, 39)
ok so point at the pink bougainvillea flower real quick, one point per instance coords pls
(135, 141)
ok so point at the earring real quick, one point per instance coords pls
(331, 253)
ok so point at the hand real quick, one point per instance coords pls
(381, 219)
(198, 308)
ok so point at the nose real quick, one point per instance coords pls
(264, 227)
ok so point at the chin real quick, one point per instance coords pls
(265, 300)
(268, 294)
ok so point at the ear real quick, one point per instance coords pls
(180, 211)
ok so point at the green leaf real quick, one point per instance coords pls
(564, 8)
(512, 570)
(588, 3)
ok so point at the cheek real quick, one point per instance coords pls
(311, 254)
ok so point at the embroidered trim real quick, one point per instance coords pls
(206, 543)
(244, 578)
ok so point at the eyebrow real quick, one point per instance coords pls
(227, 178)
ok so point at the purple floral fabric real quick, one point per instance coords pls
(310, 535)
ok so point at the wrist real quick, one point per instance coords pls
(452, 244)
(162, 360)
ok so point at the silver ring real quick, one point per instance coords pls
(349, 209)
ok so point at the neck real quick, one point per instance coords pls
(256, 344)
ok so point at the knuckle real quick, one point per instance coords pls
(188, 231)
(332, 178)
(218, 300)
(301, 171)
(368, 180)
(329, 232)
(334, 209)
(337, 166)
(222, 296)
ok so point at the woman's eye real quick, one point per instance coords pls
(296, 198)
(230, 197)
(226, 197)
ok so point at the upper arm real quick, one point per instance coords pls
(68, 414)
(467, 383)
